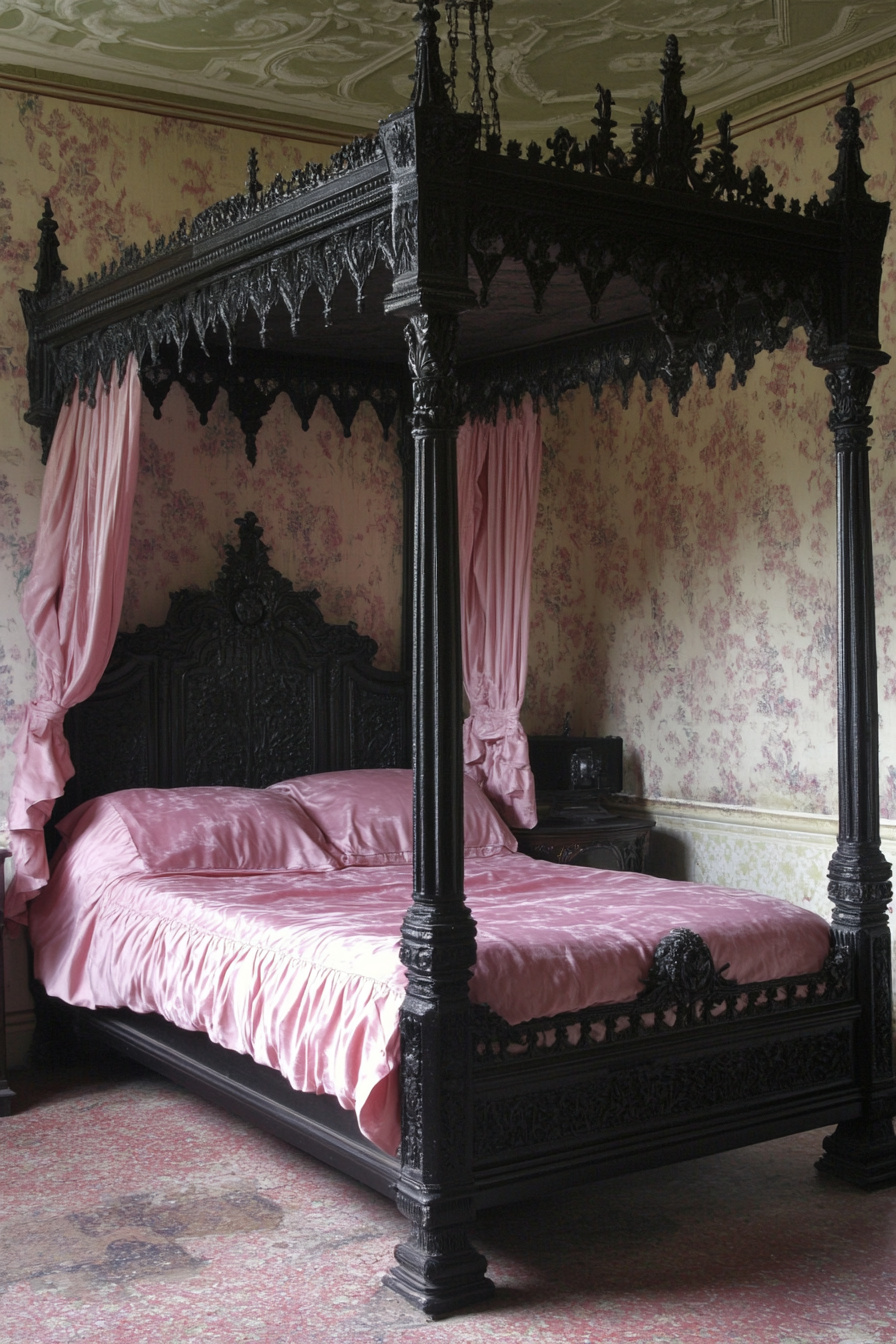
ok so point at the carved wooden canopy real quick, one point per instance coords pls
(570, 264)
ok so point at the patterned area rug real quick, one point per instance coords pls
(133, 1212)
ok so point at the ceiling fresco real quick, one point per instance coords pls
(346, 63)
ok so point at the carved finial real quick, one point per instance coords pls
(602, 146)
(48, 266)
(726, 139)
(678, 137)
(250, 532)
(253, 186)
(247, 583)
(642, 162)
(429, 77)
(720, 174)
(672, 68)
(849, 178)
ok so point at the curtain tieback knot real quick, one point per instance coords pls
(43, 709)
(42, 722)
(488, 724)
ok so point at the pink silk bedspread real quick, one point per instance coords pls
(301, 971)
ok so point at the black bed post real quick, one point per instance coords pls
(862, 1150)
(405, 445)
(428, 148)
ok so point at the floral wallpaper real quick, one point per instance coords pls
(331, 507)
(684, 589)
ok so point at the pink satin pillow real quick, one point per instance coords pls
(366, 815)
(213, 829)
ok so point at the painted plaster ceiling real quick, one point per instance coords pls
(343, 64)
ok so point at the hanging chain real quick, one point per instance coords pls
(475, 69)
(494, 128)
(478, 12)
(452, 14)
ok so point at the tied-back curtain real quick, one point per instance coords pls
(72, 603)
(498, 474)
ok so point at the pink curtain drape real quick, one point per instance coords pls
(498, 473)
(72, 603)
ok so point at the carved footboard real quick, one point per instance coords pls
(695, 1064)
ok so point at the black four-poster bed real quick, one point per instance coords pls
(588, 265)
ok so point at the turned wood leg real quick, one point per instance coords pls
(437, 1269)
(863, 1150)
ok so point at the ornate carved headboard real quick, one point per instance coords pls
(245, 683)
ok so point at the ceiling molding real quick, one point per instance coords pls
(324, 73)
(239, 56)
(336, 135)
(790, 106)
(184, 109)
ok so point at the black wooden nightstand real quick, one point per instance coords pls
(624, 837)
(6, 1093)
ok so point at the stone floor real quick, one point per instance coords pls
(133, 1213)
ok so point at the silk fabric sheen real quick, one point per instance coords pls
(72, 603)
(498, 476)
(211, 828)
(367, 815)
(302, 972)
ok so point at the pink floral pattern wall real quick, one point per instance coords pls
(331, 507)
(684, 590)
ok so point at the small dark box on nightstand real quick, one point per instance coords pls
(576, 763)
(572, 777)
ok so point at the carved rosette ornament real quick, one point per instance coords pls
(682, 971)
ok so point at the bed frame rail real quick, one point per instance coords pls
(579, 1096)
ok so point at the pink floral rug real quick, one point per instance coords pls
(136, 1214)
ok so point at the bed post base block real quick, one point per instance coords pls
(862, 1152)
(439, 1273)
(7, 1096)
